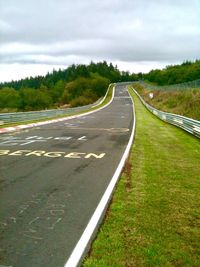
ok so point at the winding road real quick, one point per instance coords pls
(52, 178)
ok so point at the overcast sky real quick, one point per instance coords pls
(137, 35)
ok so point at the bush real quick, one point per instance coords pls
(9, 98)
(80, 101)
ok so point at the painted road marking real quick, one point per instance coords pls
(52, 154)
(43, 223)
(82, 138)
(112, 130)
(82, 116)
(50, 216)
(17, 142)
(13, 140)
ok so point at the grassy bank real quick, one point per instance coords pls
(182, 102)
(153, 218)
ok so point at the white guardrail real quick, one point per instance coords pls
(187, 124)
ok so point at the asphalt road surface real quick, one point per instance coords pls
(52, 178)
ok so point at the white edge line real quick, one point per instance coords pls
(19, 127)
(85, 239)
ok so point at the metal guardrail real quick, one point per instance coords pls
(18, 117)
(173, 87)
(187, 124)
(25, 117)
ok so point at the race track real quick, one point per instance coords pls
(52, 178)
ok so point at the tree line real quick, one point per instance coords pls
(82, 84)
(71, 73)
(77, 85)
(187, 71)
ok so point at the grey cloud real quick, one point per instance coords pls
(52, 32)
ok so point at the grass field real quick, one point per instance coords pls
(154, 217)
(184, 102)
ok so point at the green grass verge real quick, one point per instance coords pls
(106, 100)
(182, 102)
(153, 218)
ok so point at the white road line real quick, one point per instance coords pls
(82, 138)
(81, 246)
(101, 129)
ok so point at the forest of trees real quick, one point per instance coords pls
(188, 71)
(82, 84)
(77, 85)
